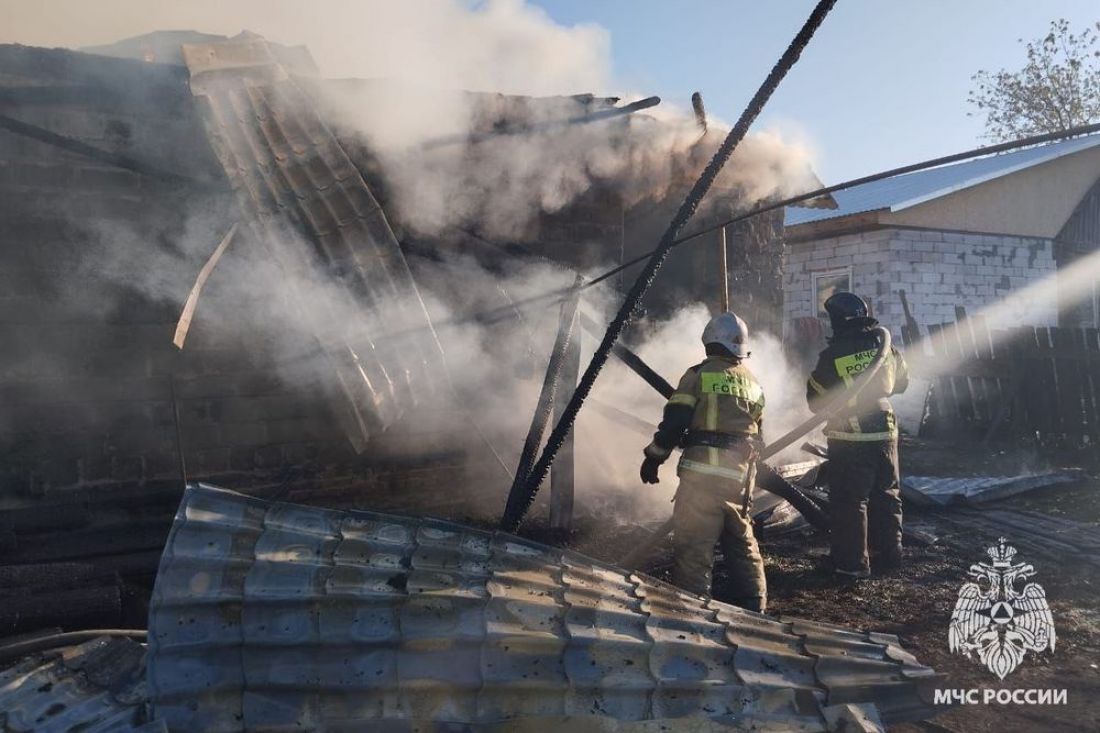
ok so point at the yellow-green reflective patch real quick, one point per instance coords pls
(860, 437)
(733, 385)
(688, 465)
(680, 398)
(850, 367)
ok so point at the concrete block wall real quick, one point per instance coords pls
(937, 270)
(867, 253)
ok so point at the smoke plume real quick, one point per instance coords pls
(442, 71)
(609, 455)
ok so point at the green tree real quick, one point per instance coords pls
(1058, 88)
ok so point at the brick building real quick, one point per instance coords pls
(968, 234)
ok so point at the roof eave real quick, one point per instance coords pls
(834, 226)
(978, 180)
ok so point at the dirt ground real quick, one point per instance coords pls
(916, 602)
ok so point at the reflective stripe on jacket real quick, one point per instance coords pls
(719, 395)
(869, 417)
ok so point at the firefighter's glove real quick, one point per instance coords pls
(649, 470)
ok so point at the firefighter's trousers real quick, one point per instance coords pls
(864, 504)
(709, 508)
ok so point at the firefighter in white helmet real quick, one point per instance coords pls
(715, 415)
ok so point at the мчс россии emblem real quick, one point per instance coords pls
(997, 622)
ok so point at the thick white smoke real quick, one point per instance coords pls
(425, 57)
(610, 454)
(501, 185)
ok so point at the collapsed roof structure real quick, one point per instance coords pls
(123, 168)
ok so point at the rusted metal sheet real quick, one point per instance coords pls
(94, 687)
(269, 615)
(304, 200)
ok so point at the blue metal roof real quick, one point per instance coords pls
(902, 191)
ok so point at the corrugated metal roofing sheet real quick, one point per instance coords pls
(1060, 540)
(304, 199)
(94, 687)
(269, 615)
(943, 490)
(910, 189)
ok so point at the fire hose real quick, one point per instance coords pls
(804, 504)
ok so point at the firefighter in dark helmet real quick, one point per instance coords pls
(715, 414)
(864, 498)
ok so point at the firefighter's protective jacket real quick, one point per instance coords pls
(870, 417)
(718, 399)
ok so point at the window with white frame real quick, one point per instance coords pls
(828, 282)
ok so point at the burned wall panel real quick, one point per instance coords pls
(95, 263)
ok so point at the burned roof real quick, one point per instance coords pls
(304, 200)
(272, 615)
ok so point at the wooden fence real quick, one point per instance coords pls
(1041, 383)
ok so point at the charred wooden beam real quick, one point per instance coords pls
(118, 160)
(602, 115)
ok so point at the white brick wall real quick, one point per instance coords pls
(937, 270)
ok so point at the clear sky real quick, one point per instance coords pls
(883, 82)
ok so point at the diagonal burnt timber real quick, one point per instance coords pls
(126, 162)
(544, 127)
(628, 357)
(270, 616)
(544, 407)
(302, 198)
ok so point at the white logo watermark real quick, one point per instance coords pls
(1000, 697)
(995, 621)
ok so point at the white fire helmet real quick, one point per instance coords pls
(730, 331)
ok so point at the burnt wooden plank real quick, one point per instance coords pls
(990, 384)
(81, 545)
(1050, 423)
(563, 474)
(963, 343)
(1068, 371)
(1022, 392)
(948, 366)
(945, 415)
(1012, 371)
(975, 369)
(1090, 342)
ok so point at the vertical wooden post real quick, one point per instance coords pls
(725, 273)
(622, 241)
(562, 475)
(178, 428)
